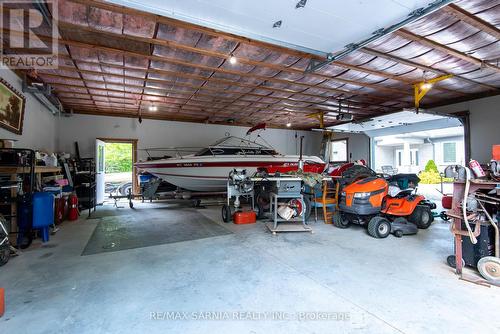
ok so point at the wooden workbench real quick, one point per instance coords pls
(24, 170)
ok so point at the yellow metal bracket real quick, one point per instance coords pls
(423, 87)
(320, 117)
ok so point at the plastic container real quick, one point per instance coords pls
(495, 152)
(447, 201)
(245, 217)
(43, 213)
(144, 178)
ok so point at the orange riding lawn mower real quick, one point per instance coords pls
(384, 204)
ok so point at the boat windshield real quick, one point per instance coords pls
(236, 146)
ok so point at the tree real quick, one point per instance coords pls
(118, 157)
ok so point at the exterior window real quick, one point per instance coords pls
(339, 151)
(449, 152)
(414, 157)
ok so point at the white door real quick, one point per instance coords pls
(100, 169)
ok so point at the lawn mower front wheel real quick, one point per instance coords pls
(379, 227)
(339, 220)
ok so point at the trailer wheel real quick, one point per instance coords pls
(4, 254)
(379, 227)
(421, 216)
(489, 267)
(444, 216)
(226, 213)
(339, 220)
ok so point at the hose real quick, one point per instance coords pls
(464, 207)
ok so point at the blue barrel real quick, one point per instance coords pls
(144, 178)
(43, 213)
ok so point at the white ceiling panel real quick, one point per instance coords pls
(321, 26)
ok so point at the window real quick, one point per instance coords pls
(413, 157)
(449, 152)
(339, 151)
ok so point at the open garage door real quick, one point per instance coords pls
(405, 142)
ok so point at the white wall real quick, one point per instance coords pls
(439, 154)
(425, 153)
(384, 156)
(39, 128)
(155, 133)
(359, 145)
(484, 124)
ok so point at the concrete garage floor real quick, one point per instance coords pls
(361, 284)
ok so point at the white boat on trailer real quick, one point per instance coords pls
(207, 170)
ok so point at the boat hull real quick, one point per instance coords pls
(210, 174)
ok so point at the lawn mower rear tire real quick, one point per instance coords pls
(421, 216)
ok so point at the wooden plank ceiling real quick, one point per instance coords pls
(121, 62)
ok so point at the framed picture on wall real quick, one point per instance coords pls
(11, 108)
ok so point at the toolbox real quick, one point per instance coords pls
(244, 217)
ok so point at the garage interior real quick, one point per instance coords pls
(250, 167)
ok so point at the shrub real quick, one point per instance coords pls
(431, 177)
(431, 167)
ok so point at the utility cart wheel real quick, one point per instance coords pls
(226, 213)
(489, 267)
(422, 217)
(339, 220)
(379, 227)
(25, 241)
(452, 261)
(131, 204)
(4, 254)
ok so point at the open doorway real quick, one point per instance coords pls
(116, 174)
(118, 168)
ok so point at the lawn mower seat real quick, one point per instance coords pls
(401, 185)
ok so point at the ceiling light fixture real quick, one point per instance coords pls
(233, 60)
(301, 4)
(427, 85)
(153, 108)
(288, 125)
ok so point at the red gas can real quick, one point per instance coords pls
(245, 217)
(73, 207)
